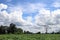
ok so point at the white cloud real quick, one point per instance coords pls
(56, 12)
(32, 7)
(3, 14)
(3, 6)
(29, 19)
(43, 17)
(15, 16)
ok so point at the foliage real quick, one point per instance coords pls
(30, 37)
(10, 29)
(27, 32)
(19, 31)
(38, 33)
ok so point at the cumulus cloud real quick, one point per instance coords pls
(13, 16)
(3, 14)
(55, 12)
(43, 17)
(2, 6)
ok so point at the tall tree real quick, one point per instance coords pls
(3, 29)
(12, 28)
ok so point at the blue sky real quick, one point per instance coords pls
(25, 2)
(31, 14)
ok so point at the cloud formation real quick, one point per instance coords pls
(34, 24)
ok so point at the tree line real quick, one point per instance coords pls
(12, 29)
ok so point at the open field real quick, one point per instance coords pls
(30, 37)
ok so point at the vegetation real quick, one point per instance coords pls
(13, 33)
(12, 29)
(30, 37)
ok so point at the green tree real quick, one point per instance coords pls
(12, 28)
(3, 29)
(19, 31)
(38, 33)
(27, 32)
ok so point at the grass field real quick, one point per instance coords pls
(30, 37)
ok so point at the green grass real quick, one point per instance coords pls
(30, 37)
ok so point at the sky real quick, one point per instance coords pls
(31, 15)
